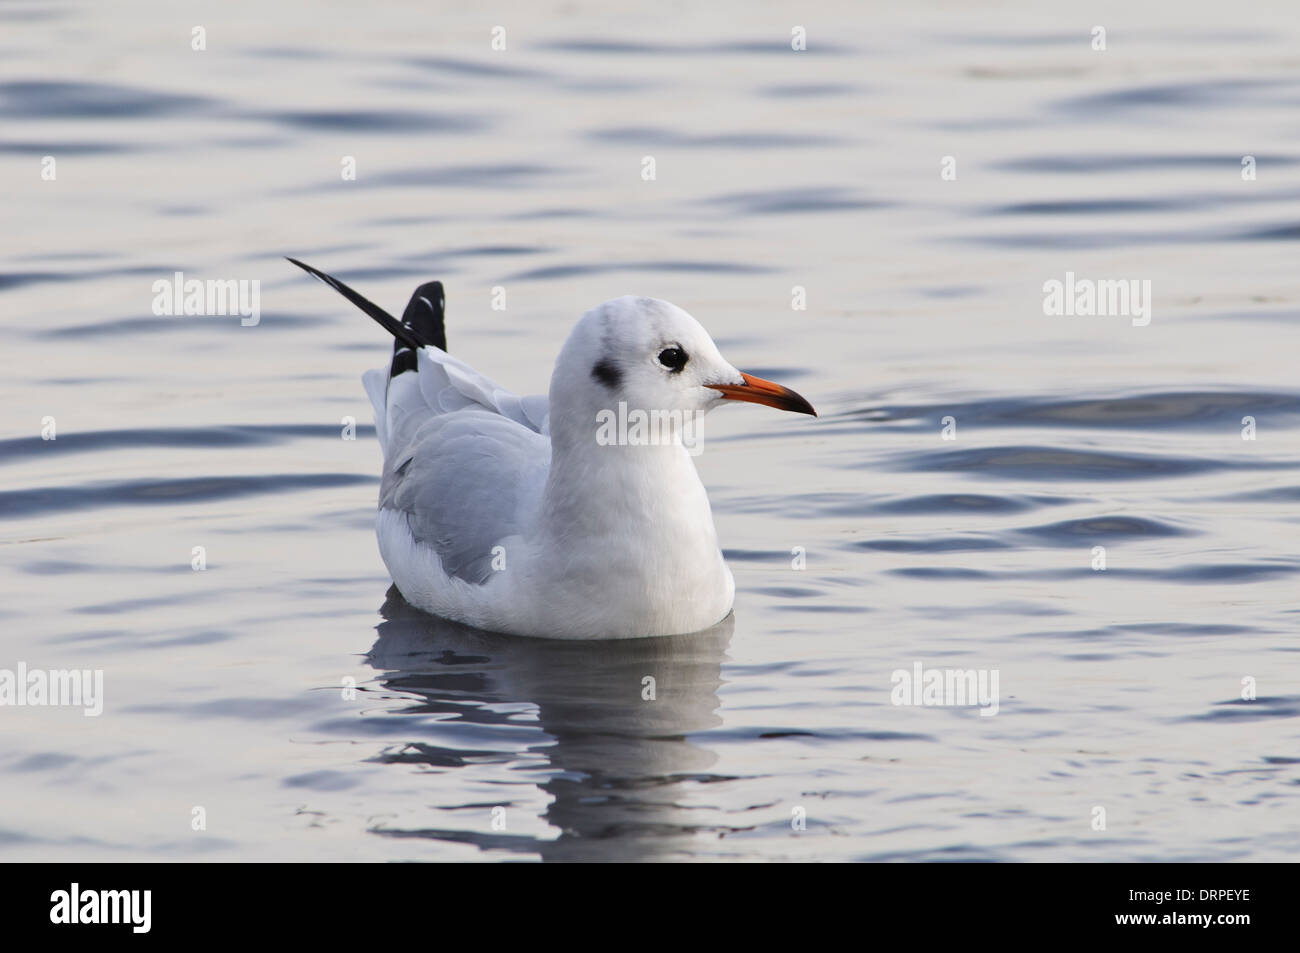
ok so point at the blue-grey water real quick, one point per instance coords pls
(284, 701)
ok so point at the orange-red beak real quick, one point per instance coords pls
(758, 391)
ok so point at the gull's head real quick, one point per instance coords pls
(652, 356)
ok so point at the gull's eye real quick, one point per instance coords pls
(673, 358)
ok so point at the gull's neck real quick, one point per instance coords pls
(626, 532)
(651, 493)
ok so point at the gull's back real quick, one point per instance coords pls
(465, 463)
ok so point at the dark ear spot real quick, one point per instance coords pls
(605, 372)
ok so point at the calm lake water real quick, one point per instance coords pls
(228, 692)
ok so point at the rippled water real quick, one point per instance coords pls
(227, 689)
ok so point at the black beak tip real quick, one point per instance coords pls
(799, 405)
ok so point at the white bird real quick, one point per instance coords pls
(578, 516)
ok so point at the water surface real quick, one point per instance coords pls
(311, 714)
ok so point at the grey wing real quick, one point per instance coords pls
(443, 386)
(466, 481)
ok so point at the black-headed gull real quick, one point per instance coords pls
(574, 516)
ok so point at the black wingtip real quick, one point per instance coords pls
(389, 323)
(404, 360)
(425, 314)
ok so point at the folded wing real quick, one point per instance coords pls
(465, 461)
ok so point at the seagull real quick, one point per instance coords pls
(577, 515)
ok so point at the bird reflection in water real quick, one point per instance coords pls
(618, 760)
